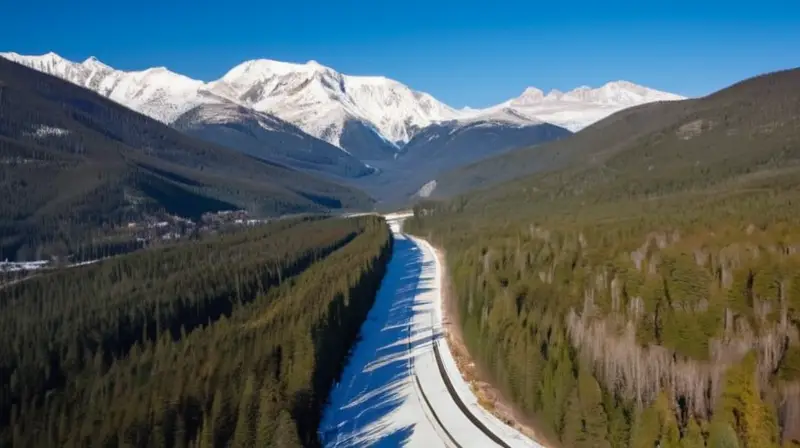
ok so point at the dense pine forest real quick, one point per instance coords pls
(644, 289)
(233, 340)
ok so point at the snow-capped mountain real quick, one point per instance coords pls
(449, 144)
(268, 137)
(582, 106)
(370, 117)
(321, 100)
(155, 92)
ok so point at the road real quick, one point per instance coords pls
(392, 392)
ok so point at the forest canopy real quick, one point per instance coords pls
(233, 340)
(644, 289)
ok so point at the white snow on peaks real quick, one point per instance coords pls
(156, 92)
(504, 115)
(322, 101)
(583, 106)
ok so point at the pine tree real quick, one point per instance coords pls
(267, 416)
(647, 428)
(573, 432)
(285, 432)
(595, 422)
(743, 408)
(585, 422)
(242, 435)
(722, 435)
(206, 435)
(180, 432)
(693, 438)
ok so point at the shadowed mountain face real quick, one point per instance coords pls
(443, 147)
(267, 137)
(662, 248)
(363, 142)
(694, 139)
(446, 146)
(369, 118)
(74, 162)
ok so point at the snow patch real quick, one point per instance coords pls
(11, 266)
(43, 131)
(320, 100)
(583, 106)
(427, 189)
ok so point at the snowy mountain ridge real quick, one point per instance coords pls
(320, 99)
(328, 104)
(156, 92)
(582, 106)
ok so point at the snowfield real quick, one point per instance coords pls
(392, 392)
(322, 101)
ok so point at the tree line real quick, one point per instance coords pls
(229, 341)
(628, 323)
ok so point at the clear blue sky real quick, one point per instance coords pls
(463, 52)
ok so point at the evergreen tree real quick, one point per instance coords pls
(722, 435)
(267, 416)
(285, 432)
(693, 438)
(742, 407)
(243, 434)
(646, 428)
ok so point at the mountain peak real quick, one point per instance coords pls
(264, 68)
(94, 63)
(532, 93)
(325, 103)
(48, 57)
(621, 83)
(583, 105)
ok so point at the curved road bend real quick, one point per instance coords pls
(392, 392)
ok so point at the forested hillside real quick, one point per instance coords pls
(233, 340)
(75, 166)
(644, 289)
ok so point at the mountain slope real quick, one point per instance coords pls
(583, 106)
(444, 146)
(302, 92)
(267, 137)
(321, 101)
(683, 138)
(660, 248)
(477, 137)
(75, 163)
(155, 92)
(370, 117)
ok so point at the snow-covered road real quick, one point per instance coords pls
(392, 392)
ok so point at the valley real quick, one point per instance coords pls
(369, 132)
(262, 259)
(639, 287)
(401, 386)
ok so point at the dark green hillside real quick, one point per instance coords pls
(232, 340)
(645, 287)
(74, 165)
(699, 133)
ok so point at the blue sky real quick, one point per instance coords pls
(465, 52)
